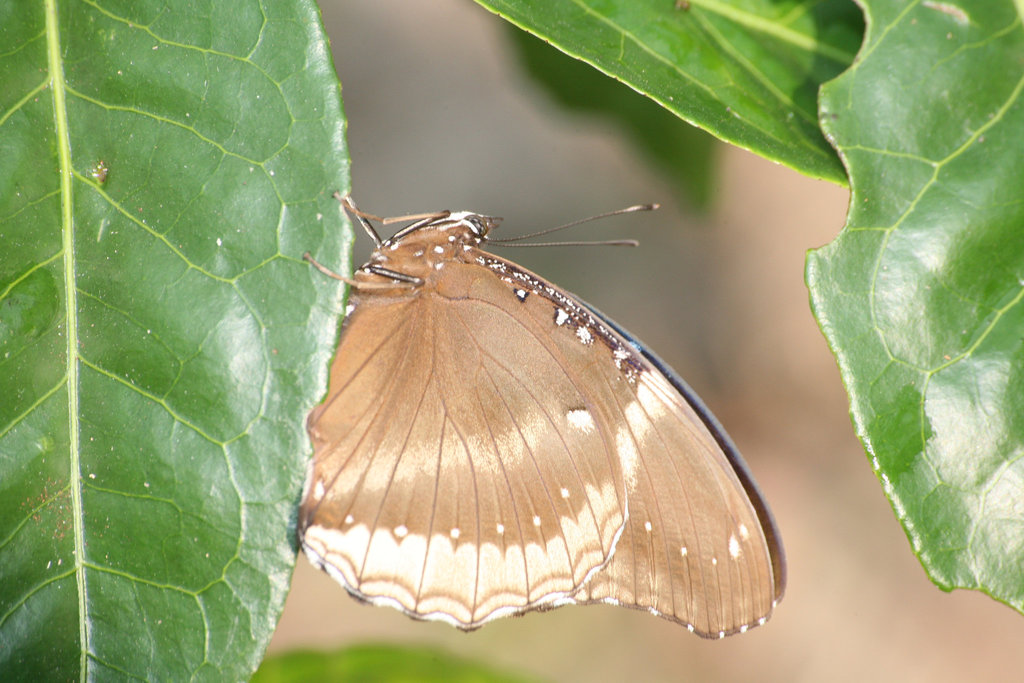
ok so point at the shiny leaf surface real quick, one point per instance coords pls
(165, 166)
(922, 295)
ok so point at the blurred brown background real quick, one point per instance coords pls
(442, 115)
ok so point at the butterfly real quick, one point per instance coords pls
(491, 445)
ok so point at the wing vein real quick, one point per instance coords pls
(529, 449)
(380, 409)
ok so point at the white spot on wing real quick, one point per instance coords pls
(647, 526)
(536, 520)
(584, 335)
(500, 528)
(561, 317)
(401, 530)
(454, 533)
(349, 519)
(683, 551)
(734, 547)
(565, 492)
(581, 419)
(744, 532)
(439, 249)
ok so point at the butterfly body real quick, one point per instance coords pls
(492, 445)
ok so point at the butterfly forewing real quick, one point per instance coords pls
(492, 445)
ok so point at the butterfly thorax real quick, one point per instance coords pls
(420, 252)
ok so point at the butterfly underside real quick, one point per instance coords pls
(490, 445)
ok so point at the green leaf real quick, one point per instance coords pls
(165, 166)
(922, 295)
(378, 663)
(746, 71)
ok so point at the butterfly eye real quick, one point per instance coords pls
(477, 224)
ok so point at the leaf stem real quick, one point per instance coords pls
(63, 140)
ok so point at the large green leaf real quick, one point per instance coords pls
(922, 295)
(164, 167)
(746, 71)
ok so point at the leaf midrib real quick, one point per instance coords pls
(777, 30)
(60, 115)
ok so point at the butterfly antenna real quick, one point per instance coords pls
(510, 241)
(363, 218)
(583, 243)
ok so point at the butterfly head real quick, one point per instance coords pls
(478, 224)
(416, 252)
(463, 227)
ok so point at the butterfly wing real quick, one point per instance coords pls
(694, 549)
(451, 477)
(492, 445)
(699, 546)
(743, 584)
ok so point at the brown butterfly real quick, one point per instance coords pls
(492, 445)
